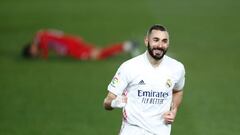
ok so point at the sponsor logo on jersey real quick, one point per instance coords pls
(141, 82)
(152, 96)
(152, 93)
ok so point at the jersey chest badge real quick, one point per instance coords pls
(169, 83)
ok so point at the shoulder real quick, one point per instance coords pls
(134, 62)
(173, 63)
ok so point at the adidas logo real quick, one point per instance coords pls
(141, 82)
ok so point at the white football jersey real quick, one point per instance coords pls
(149, 91)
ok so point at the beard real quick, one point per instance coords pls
(156, 53)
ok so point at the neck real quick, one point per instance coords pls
(153, 62)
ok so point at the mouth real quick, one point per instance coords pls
(158, 51)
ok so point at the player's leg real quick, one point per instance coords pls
(110, 51)
(116, 49)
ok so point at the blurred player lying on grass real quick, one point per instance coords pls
(48, 40)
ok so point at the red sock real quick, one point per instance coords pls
(111, 51)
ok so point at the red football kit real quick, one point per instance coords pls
(70, 45)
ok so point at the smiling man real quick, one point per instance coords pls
(149, 88)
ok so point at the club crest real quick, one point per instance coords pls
(169, 83)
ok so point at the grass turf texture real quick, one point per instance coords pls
(64, 96)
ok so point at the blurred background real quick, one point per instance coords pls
(64, 96)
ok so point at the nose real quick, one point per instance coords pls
(160, 44)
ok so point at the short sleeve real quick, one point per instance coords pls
(119, 81)
(181, 81)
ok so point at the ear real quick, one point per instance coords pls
(146, 40)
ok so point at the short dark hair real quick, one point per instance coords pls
(26, 53)
(156, 27)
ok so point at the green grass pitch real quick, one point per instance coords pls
(64, 96)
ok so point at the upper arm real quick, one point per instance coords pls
(119, 81)
(177, 91)
(180, 81)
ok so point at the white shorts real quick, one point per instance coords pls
(128, 129)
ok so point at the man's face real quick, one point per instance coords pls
(157, 43)
(34, 51)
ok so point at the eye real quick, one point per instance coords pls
(165, 40)
(156, 39)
